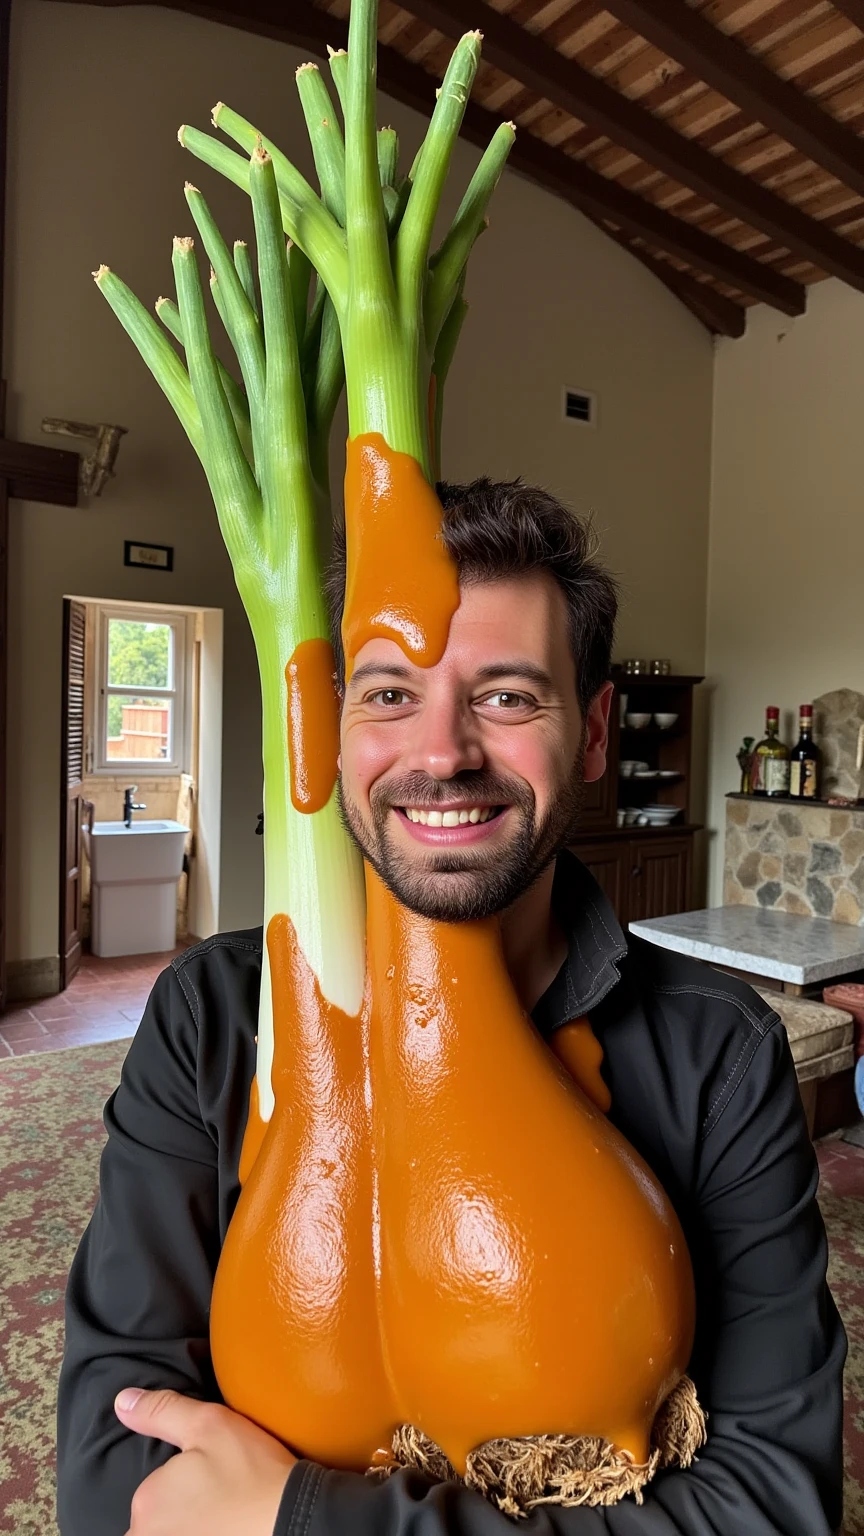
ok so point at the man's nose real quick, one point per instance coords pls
(444, 741)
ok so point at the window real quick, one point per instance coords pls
(140, 715)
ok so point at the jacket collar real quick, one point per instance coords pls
(596, 943)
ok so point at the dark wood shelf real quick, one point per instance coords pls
(675, 828)
(651, 680)
(735, 794)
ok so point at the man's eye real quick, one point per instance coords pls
(391, 698)
(508, 699)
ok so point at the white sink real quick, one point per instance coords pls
(133, 883)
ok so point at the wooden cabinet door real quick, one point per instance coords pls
(659, 877)
(609, 863)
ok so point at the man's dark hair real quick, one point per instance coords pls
(496, 529)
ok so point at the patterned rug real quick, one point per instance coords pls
(51, 1136)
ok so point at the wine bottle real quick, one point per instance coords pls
(770, 772)
(806, 760)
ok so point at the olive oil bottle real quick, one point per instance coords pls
(770, 772)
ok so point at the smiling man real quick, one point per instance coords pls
(462, 785)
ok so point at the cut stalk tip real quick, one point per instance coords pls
(161, 300)
(303, 69)
(213, 278)
(260, 155)
(214, 115)
(181, 134)
(189, 186)
(336, 53)
(184, 243)
(240, 245)
(101, 271)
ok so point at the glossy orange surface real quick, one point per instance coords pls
(438, 1225)
(402, 583)
(294, 1316)
(313, 724)
(579, 1050)
(534, 1277)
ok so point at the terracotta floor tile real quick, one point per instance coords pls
(26, 1028)
(103, 1002)
(51, 1008)
(79, 1022)
(94, 1035)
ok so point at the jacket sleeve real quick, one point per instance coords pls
(138, 1295)
(770, 1379)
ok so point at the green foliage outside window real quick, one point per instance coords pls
(139, 657)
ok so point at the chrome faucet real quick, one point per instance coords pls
(128, 804)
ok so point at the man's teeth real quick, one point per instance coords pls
(450, 818)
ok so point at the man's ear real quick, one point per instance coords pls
(597, 733)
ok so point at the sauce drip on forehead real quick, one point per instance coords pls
(402, 583)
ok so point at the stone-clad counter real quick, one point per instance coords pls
(794, 857)
(763, 943)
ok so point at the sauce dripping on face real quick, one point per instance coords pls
(401, 584)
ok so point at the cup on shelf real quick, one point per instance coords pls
(626, 767)
(665, 721)
(619, 816)
(631, 816)
(637, 722)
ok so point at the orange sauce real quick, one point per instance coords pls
(402, 584)
(313, 724)
(253, 1136)
(438, 1225)
(579, 1050)
(534, 1277)
(294, 1313)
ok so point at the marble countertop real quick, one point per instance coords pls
(767, 943)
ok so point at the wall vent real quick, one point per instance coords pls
(580, 405)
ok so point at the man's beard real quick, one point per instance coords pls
(455, 885)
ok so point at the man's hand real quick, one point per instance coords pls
(229, 1479)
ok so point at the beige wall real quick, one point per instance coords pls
(786, 566)
(96, 174)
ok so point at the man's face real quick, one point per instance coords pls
(461, 782)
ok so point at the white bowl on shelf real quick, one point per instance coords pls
(626, 767)
(665, 721)
(637, 722)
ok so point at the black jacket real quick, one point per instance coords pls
(703, 1086)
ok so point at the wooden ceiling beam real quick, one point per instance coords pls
(719, 315)
(744, 79)
(853, 10)
(576, 91)
(304, 26)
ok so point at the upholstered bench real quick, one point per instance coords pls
(821, 1037)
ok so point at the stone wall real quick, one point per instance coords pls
(799, 858)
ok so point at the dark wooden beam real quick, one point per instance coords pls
(853, 10)
(602, 199)
(33, 473)
(576, 91)
(721, 316)
(725, 64)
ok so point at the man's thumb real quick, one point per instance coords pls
(164, 1415)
